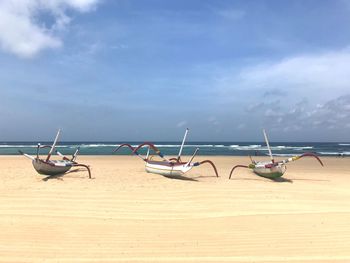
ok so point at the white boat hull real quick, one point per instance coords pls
(273, 172)
(165, 169)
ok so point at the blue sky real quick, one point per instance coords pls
(146, 70)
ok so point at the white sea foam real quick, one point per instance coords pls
(291, 147)
(167, 145)
(94, 145)
(245, 147)
(186, 145)
(232, 147)
(283, 154)
(171, 145)
(264, 148)
(198, 145)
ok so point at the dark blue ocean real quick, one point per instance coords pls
(172, 148)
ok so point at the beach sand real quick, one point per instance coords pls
(124, 214)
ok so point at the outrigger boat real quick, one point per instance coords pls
(172, 167)
(272, 169)
(54, 167)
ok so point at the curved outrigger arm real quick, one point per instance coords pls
(240, 166)
(294, 158)
(210, 162)
(132, 150)
(122, 145)
(83, 165)
(154, 148)
(41, 147)
(74, 156)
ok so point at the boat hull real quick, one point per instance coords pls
(272, 173)
(165, 169)
(47, 169)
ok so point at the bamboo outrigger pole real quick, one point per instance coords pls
(268, 145)
(53, 145)
(193, 155)
(182, 145)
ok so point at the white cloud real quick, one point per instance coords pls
(304, 94)
(317, 77)
(333, 114)
(330, 118)
(303, 74)
(21, 31)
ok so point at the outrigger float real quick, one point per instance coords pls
(54, 167)
(172, 167)
(272, 169)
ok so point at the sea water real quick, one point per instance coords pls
(172, 148)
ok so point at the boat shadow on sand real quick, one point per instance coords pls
(60, 176)
(180, 177)
(184, 178)
(275, 180)
(279, 180)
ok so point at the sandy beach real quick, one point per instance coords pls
(124, 214)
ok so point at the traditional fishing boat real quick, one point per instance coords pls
(272, 169)
(168, 167)
(54, 167)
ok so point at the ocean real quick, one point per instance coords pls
(172, 148)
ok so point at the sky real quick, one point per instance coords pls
(131, 70)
